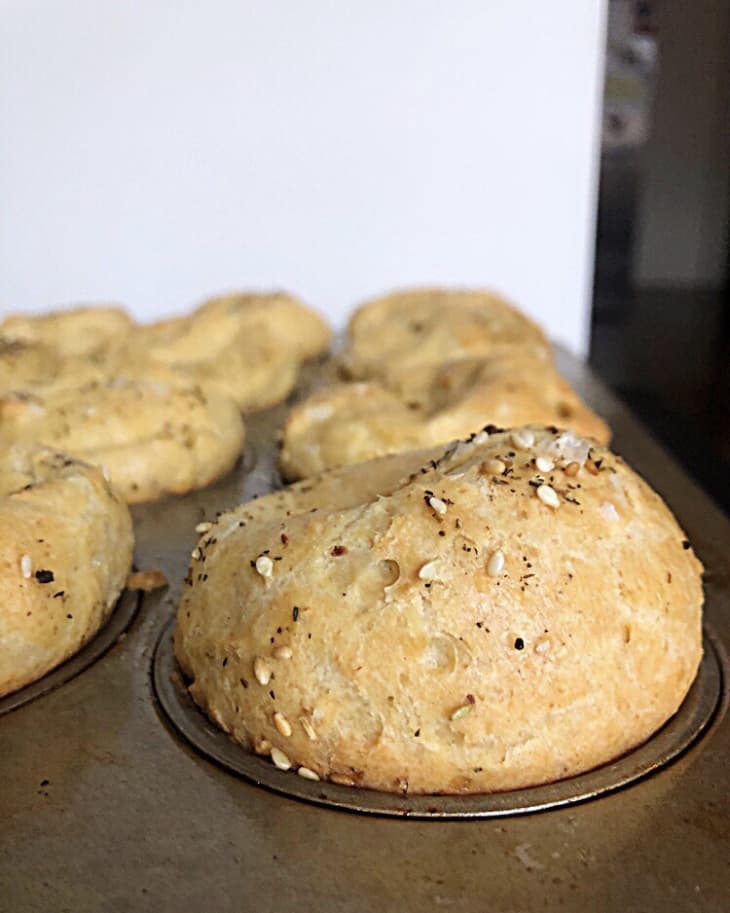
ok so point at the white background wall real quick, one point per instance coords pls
(158, 151)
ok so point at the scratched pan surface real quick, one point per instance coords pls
(105, 806)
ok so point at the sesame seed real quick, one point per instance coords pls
(195, 554)
(461, 712)
(308, 728)
(264, 566)
(105, 473)
(262, 746)
(481, 438)
(261, 670)
(493, 467)
(548, 496)
(438, 505)
(282, 724)
(342, 779)
(203, 527)
(544, 464)
(572, 469)
(428, 570)
(542, 646)
(523, 438)
(495, 565)
(307, 773)
(217, 718)
(282, 653)
(280, 759)
(26, 566)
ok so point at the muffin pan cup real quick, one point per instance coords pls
(111, 801)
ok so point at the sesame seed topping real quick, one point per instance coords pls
(493, 467)
(280, 759)
(461, 712)
(523, 438)
(195, 554)
(264, 566)
(428, 570)
(544, 464)
(282, 653)
(438, 505)
(203, 527)
(261, 670)
(481, 438)
(26, 566)
(307, 773)
(572, 469)
(542, 646)
(548, 496)
(282, 724)
(342, 779)
(308, 728)
(495, 565)
(262, 746)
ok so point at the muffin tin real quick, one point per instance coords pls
(119, 795)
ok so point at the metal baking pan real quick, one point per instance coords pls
(105, 806)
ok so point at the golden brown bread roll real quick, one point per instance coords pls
(246, 346)
(151, 439)
(516, 610)
(390, 335)
(349, 423)
(65, 554)
(34, 366)
(79, 331)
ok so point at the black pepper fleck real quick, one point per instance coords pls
(44, 576)
(519, 643)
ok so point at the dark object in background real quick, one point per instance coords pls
(661, 312)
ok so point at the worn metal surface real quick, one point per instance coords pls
(105, 808)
